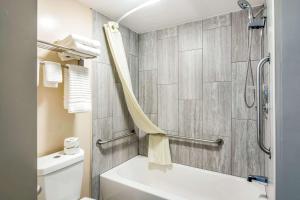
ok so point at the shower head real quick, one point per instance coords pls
(245, 5)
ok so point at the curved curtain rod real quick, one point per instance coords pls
(148, 3)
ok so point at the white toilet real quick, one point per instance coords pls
(60, 176)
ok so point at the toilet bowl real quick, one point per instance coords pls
(60, 176)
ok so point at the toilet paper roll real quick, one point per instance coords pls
(71, 142)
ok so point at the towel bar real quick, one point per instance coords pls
(218, 141)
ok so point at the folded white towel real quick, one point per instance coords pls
(77, 91)
(52, 74)
(65, 56)
(80, 39)
(78, 43)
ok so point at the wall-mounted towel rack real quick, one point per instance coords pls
(58, 48)
(218, 141)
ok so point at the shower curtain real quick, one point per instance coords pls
(158, 147)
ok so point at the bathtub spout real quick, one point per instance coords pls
(261, 179)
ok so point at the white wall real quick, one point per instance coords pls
(57, 19)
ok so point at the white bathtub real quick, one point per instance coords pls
(137, 180)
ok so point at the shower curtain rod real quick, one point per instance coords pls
(148, 3)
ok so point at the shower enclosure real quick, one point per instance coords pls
(192, 81)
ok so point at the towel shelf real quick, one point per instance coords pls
(218, 141)
(58, 48)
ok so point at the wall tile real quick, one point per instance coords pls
(217, 158)
(239, 147)
(120, 152)
(217, 108)
(105, 81)
(167, 61)
(240, 38)
(94, 89)
(102, 155)
(255, 155)
(168, 107)
(217, 54)
(239, 109)
(110, 115)
(121, 117)
(166, 33)
(148, 91)
(246, 156)
(217, 21)
(190, 118)
(190, 36)
(125, 38)
(133, 43)
(190, 74)
(196, 155)
(133, 66)
(148, 51)
(98, 34)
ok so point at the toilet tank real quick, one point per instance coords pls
(60, 176)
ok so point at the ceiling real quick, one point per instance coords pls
(165, 13)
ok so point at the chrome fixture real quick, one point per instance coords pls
(260, 179)
(245, 5)
(256, 21)
(218, 141)
(101, 141)
(262, 107)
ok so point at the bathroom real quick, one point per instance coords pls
(149, 99)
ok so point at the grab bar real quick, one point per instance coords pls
(100, 141)
(260, 105)
(218, 141)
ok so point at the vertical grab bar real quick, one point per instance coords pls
(260, 133)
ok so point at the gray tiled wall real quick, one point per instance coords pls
(110, 115)
(189, 80)
(191, 83)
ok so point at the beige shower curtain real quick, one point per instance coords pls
(158, 148)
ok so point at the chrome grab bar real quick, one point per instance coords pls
(218, 141)
(39, 190)
(100, 141)
(260, 133)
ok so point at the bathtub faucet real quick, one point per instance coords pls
(261, 179)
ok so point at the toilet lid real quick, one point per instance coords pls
(57, 161)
